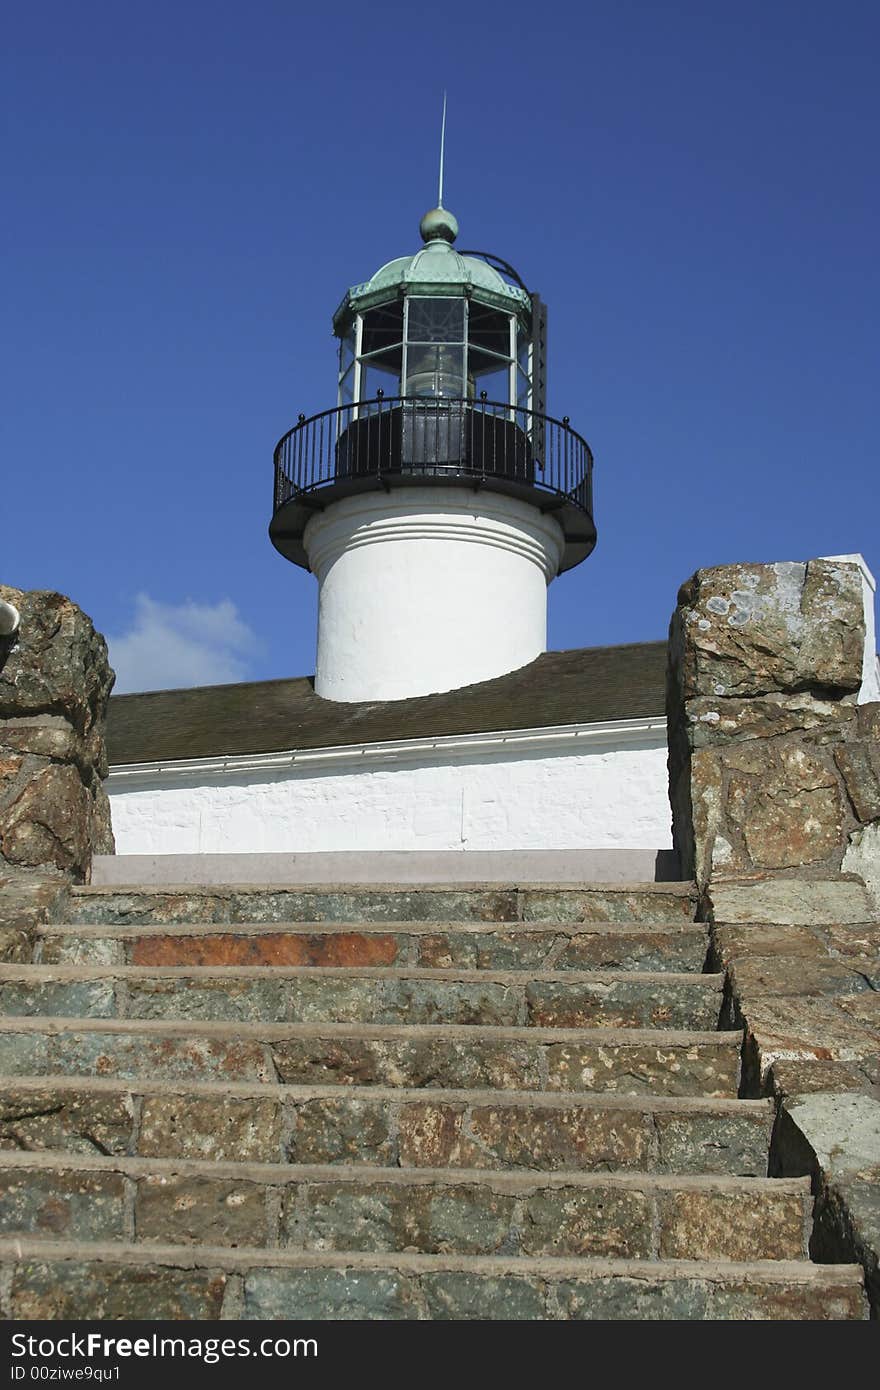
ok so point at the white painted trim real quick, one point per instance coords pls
(552, 738)
(502, 523)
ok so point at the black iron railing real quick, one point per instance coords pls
(396, 438)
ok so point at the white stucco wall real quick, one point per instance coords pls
(592, 787)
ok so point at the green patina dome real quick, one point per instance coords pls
(436, 269)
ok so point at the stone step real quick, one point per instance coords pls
(464, 945)
(383, 1126)
(637, 1061)
(534, 902)
(624, 1216)
(314, 994)
(73, 1281)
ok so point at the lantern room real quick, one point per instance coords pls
(440, 326)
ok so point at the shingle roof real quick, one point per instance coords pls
(587, 685)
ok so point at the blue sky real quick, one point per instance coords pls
(189, 188)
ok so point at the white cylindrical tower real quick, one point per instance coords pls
(428, 589)
(437, 501)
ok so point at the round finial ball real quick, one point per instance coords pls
(438, 225)
(10, 619)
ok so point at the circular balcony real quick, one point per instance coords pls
(401, 441)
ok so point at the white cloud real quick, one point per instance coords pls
(173, 645)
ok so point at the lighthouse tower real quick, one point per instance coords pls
(437, 500)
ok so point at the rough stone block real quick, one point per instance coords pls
(200, 1211)
(596, 1222)
(746, 630)
(400, 1000)
(222, 1128)
(645, 1299)
(344, 1130)
(23, 1054)
(68, 1206)
(697, 1069)
(133, 1055)
(486, 950)
(745, 1301)
(57, 999)
(59, 663)
(714, 721)
(433, 1135)
(78, 950)
(239, 1001)
(379, 1216)
(49, 823)
(674, 1003)
(785, 803)
(854, 1204)
(89, 1291)
(523, 1136)
(792, 901)
(673, 950)
(790, 1079)
(624, 904)
(737, 1144)
(861, 944)
(718, 1225)
(71, 1121)
(842, 1130)
(860, 765)
(423, 1061)
(799, 1027)
(342, 1295)
(461, 1296)
(737, 943)
(273, 948)
(10, 767)
(754, 975)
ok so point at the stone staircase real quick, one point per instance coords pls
(448, 1102)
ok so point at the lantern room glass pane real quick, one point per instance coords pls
(435, 371)
(382, 327)
(391, 359)
(523, 391)
(346, 387)
(496, 383)
(376, 377)
(435, 321)
(489, 329)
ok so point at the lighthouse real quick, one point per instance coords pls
(437, 500)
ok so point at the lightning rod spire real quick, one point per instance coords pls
(442, 152)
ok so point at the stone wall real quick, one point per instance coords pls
(55, 681)
(774, 765)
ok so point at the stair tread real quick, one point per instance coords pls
(682, 1037)
(686, 979)
(361, 1175)
(417, 927)
(559, 1100)
(16, 1250)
